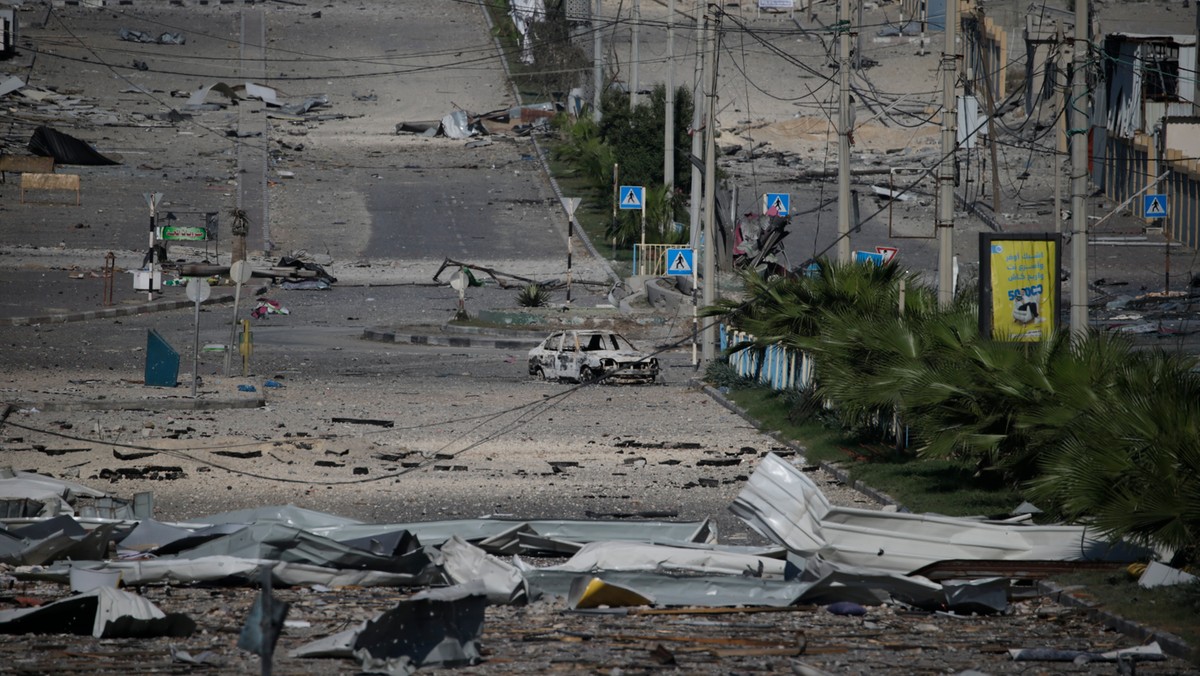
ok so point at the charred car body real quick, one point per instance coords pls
(586, 356)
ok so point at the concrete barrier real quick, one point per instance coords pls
(50, 182)
(25, 163)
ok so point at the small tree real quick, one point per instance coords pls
(240, 224)
(558, 64)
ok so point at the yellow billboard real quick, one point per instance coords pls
(1019, 286)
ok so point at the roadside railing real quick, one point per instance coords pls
(782, 368)
(651, 259)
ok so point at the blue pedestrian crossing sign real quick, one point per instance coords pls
(781, 202)
(681, 261)
(632, 197)
(1154, 206)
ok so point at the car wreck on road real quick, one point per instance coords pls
(589, 356)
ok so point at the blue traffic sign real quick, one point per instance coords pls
(868, 258)
(1154, 206)
(632, 197)
(779, 201)
(681, 261)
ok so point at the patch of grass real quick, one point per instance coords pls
(1173, 609)
(939, 486)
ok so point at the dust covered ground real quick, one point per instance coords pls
(471, 432)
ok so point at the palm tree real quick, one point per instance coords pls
(1008, 406)
(1132, 465)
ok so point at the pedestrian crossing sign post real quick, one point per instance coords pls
(681, 261)
(1154, 206)
(779, 201)
(632, 197)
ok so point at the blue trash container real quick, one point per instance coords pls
(162, 361)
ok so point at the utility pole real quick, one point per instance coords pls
(669, 104)
(945, 218)
(708, 338)
(697, 123)
(637, 57)
(597, 63)
(1060, 127)
(1078, 135)
(843, 242)
(858, 39)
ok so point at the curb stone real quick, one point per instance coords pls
(107, 313)
(840, 474)
(1170, 643)
(496, 342)
(121, 311)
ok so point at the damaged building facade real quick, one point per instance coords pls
(1144, 126)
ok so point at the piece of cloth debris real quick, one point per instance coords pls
(65, 149)
(266, 306)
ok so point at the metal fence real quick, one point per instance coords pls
(651, 259)
(781, 368)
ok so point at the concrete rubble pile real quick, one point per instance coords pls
(843, 559)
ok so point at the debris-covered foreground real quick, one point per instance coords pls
(318, 593)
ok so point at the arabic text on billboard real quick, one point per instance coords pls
(1024, 288)
(776, 4)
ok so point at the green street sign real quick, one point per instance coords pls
(182, 233)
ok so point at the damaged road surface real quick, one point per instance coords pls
(496, 595)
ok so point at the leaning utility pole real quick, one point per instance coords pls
(669, 104)
(637, 55)
(1079, 173)
(597, 63)
(843, 241)
(945, 218)
(708, 337)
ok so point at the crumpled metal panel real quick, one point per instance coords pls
(235, 570)
(501, 582)
(784, 505)
(102, 612)
(623, 556)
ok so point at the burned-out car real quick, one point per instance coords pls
(586, 356)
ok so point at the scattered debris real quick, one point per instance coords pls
(102, 612)
(364, 421)
(265, 307)
(1148, 653)
(1161, 575)
(162, 39)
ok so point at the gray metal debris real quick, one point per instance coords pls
(784, 505)
(102, 612)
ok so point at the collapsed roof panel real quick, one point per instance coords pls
(784, 505)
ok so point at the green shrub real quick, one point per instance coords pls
(533, 295)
